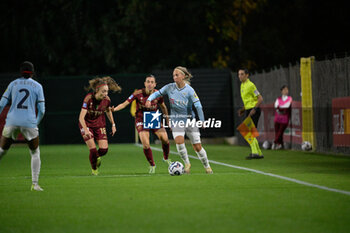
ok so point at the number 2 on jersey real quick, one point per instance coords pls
(20, 104)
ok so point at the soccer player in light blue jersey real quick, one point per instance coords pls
(182, 97)
(26, 95)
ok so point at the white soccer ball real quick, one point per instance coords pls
(306, 146)
(266, 145)
(176, 168)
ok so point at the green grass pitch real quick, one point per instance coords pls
(124, 198)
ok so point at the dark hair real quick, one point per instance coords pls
(284, 86)
(152, 76)
(27, 69)
(246, 71)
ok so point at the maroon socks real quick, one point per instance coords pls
(166, 149)
(149, 156)
(93, 158)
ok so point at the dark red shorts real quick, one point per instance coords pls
(98, 133)
(139, 126)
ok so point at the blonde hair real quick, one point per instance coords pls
(187, 74)
(96, 83)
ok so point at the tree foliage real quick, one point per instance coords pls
(114, 36)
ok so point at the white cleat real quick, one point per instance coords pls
(36, 187)
(152, 169)
(209, 170)
(187, 168)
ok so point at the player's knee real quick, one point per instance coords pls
(197, 147)
(33, 144)
(102, 151)
(33, 147)
(145, 144)
(179, 140)
(35, 153)
(6, 143)
(165, 141)
(163, 138)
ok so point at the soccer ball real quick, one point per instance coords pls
(176, 168)
(266, 145)
(306, 146)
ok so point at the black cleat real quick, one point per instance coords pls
(254, 156)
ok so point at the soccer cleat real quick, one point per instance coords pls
(187, 168)
(36, 187)
(278, 147)
(98, 163)
(254, 156)
(168, 161)
(209, 170)
(94, 172)
(152, 169)
(273, 147)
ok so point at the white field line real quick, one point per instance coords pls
(98, 177)
(262, 173)
(77, 176)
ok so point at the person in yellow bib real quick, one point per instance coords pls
(252, 99)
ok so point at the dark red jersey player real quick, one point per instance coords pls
(141, 96)
(92, 121)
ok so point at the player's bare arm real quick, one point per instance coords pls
(82, 115)
(121, 106)
(111, 120)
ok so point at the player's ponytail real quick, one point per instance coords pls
(96, 83)
(187, 74)
(112, 84)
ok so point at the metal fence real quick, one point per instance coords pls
(330, 80)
